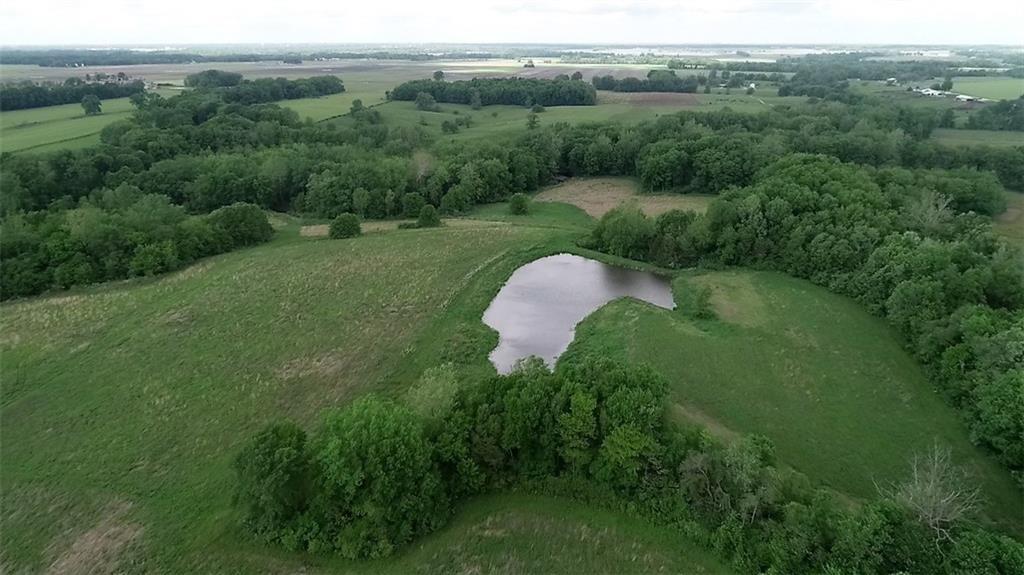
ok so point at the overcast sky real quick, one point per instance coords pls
(108, 22)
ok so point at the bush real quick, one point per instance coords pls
(345, 226)
(272, 473)
(377, 485)
(240, 224)
(624, 231)
(428, 217)
(412, 205)
(519, 204)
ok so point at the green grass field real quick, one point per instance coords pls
(813, 371)
(956, 137)
(59, 127)
(994, 87)
(123, 404)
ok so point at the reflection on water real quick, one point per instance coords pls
(537, 311)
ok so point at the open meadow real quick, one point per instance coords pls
(426, 337)
(125, 403)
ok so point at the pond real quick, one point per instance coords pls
(537, 310)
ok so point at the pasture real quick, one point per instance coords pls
(125, 403)
(828, 383)
(59, 127)
(992, 87)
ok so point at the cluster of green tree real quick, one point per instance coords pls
(508, 91)
(199, 153)
(909, 244)
(27, 94)
(733, 145)
(866, 65)
(1003, 115)
(377, 474)
(656, 81)
(115, 234)
(234, 89)
(61, 58)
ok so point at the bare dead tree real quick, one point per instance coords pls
(938, 492)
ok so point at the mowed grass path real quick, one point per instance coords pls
(813, 371)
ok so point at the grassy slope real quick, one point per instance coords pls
(58, 127)
(827, 382)
(123, 403)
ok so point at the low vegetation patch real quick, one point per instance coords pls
(597, 196)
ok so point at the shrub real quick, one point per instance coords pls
(428, 217)
(345, 226)
(240, 224)
(272, 473)
(377, 485)
(624, 231)
(519, 204)
(412, 205)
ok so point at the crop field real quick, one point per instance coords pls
(65, 127)
(826, 382)
(597, 196)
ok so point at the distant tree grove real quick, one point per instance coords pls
(23, 95)
(508, 91)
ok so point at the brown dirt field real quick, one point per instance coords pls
(648, 98)
(99, 549)
(597, 196)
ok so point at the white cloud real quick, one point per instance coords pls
(108, 22)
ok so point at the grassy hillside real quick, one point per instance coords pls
(59, 127)
(124, 404)
(813, 371)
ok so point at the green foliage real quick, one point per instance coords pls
(376, 485)
(345, 226)
(519, 204)
(428, 217)
(240, 225)
(273, 478)
(381, 478)
(624, 231)
(91, 105)
(426, 102)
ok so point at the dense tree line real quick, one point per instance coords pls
(910, 245)
(508, 91)
(656, 81)
(115, 234)
(377, 474)
(61, 58)
(234, 89)
(1003, 115)
(23, 95)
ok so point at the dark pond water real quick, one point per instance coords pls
(537, 311)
